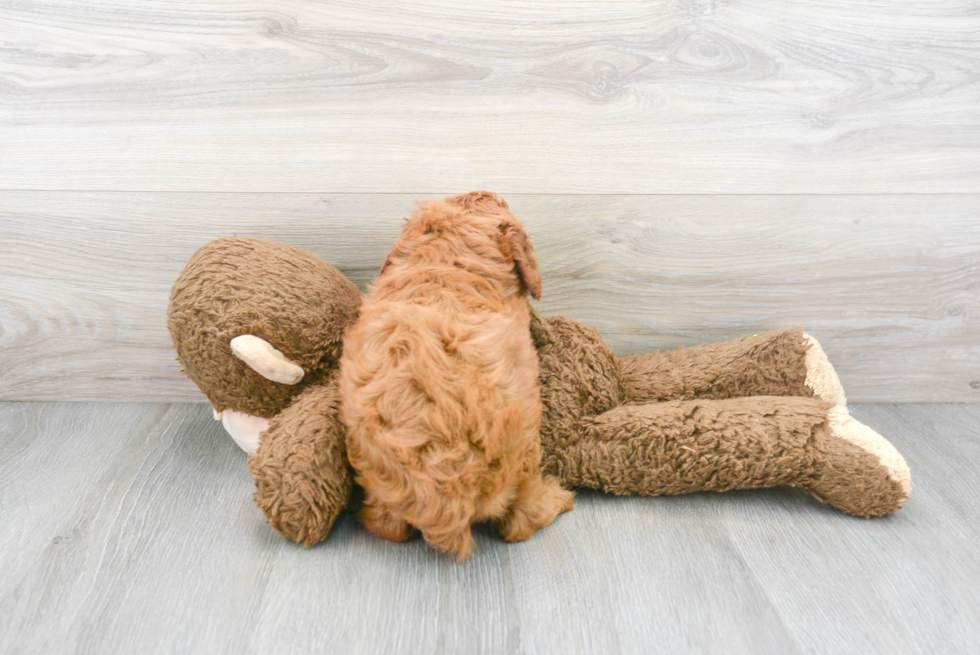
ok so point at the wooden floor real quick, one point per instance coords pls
(129, 528)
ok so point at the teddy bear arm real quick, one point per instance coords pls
(301, 473)
(774, 363)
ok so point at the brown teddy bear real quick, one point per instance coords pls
(258, 326)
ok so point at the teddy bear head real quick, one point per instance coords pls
(281, 294)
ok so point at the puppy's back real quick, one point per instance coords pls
(439, 387)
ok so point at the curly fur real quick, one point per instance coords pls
(439, 386)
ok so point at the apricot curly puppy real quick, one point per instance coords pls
(439, 385)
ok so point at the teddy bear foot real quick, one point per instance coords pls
(821, 377)
(245, 429)
(857, 470)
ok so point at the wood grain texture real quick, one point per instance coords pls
(129, 528)
(890, 285)
(688, 96)
(918, 568)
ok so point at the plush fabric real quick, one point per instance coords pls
(302, 478)
(716, 417)
(732, 415)
(236, 285)
(767, 364)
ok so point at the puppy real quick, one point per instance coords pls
(438, 383)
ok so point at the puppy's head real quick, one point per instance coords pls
(474, 230)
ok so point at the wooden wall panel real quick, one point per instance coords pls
(691, 96)
(890, 285)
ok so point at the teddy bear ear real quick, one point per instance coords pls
(516, 245)
(266, 360)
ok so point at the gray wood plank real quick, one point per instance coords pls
(644, 576)
(907, 583)
(54, 447)
(126, 527)
(129, 528)
(573, 588)
(163, 557)
(888, 284)
(697, 96)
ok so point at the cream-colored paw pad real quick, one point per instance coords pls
(844, 426)
(820, 374)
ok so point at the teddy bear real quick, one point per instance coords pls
(258, 327)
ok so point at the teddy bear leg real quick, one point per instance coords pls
(856, 469)
(821, 377)
(301, 473)
(537, 504)
(774, 363)
(681, 447)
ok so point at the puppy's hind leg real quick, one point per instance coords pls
(457, 541)
(379, 520)
(537, 504)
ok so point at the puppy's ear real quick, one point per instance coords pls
(515, 245)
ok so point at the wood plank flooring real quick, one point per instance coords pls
(129, 528)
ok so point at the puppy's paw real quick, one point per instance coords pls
(378, 520)
(539, 502)
(459, 544)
